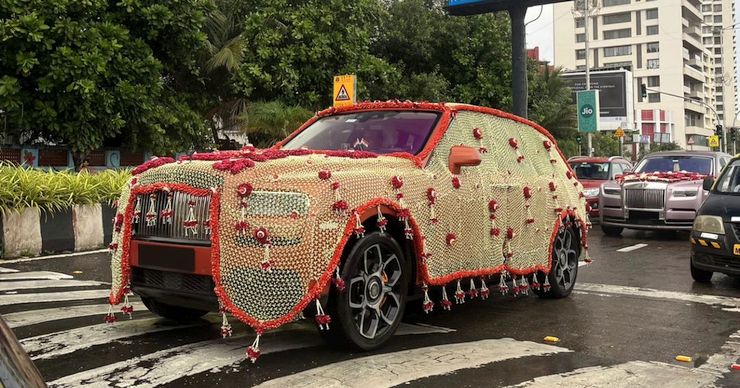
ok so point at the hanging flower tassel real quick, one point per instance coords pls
(524, 286)
(151, 213)
(484, 291)
(535, 282)
(253, 351)
(432, 200)
(472, 292)
(514, 287)
(359, 229)
(338, 281)
(137, 210)
(127, 308)
(492, 207)
(166, 213)
(502, 286)
(322, 319)
(226, 330)
(478, 134)
(546, 285)
(191, 223)
(111, 316)
(446, 304)
(262, 235)
(207, 226)
(382, 221)
(459, 294)
(428, 304)
(407, 231)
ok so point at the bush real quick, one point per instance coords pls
(53, 191)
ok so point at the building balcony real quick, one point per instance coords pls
(695, 130)
(691, 11)
(693, 30)
(698, 94)
(694, 42)
(693, 73)
(694, 107)
(696, 62)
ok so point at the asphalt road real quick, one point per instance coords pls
(632, 313)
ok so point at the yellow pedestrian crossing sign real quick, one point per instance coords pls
(714, 141)
(619, 132)
(345, 90)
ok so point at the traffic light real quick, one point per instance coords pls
(733, 134)
(718, 132)
(643, 90)
(578, 138)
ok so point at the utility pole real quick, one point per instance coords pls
(588, 65)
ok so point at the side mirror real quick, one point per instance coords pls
(463, 156)
(708, 182)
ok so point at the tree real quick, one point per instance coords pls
(86, 73)
(268, 122)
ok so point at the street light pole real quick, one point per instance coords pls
(588, 65)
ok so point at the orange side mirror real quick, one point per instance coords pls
(463, 156)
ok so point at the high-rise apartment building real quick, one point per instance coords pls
(682, 50)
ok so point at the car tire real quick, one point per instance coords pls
(566, 250)
(701, 275)
(371, 306)
(612, 231)
(175, 313)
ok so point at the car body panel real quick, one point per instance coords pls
(593, 200)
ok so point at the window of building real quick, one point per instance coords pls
(580, 38)
(717, 40)
(653, 47)
(706, 7)
(718, 18)
(707, 40)
(708, 19)
(653, 97)
(718, 50)
(651, 13)
(718, 8)
(616, 34)
(617, 51)
(581, 54)
(653, 81)
(611, 3)
(717, 70)
(653, 63)
(580, 23)
(618, 18)
(618, 64)
(719, 99)
(706, 29)
(580, 67)
(719, 89)
(652, 30)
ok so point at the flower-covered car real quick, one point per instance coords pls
(663, 193)
(359, 209)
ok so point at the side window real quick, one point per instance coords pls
(616, 170)
(723, 162)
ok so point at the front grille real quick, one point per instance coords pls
(190, 283)
(644, 198)
(180, 210)
(718, 261)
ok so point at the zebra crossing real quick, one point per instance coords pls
(148, 351)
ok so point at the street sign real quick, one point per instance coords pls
(690, 141)
(714, 141)
(345, 90)
(588, 111)
(619, 132)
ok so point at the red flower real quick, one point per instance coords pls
(244, 190)
(569, 174)
(493, 206)
(513, 143)
(432, 196)
(495, 232)
(509, 233)
(455, 182)
(335, 185)
(340, 206)
(118, 222)
(324, 174)
(397, 182)
(450, 239)
(552, 186)
(477, 133)
(262, 236)
(241, 226)
(547, 144)
(527, 192)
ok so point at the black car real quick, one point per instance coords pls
(715, 236)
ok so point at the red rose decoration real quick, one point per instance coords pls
(455, 182)
(495, 232)
(552, 186)
(493, 206)
(245, 189)
(324, 174)
(431, 196)
(477, 133)
(527, 192)
(397, 182)
(262, 236)
(450, 239)
(547, 144)
(340, 206)
(569, 174)
(335, 185)
(513, 143)
(118, 222)
(509, 233)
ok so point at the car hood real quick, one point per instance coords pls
(591, 183)
(722, 205)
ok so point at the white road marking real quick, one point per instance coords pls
(7, 270)
(6, 300)
(25, 259)
(389, 369)
(68, 341)
(168, 365)
(33, 317)
(632, 248)
(713, 300)
(38, 275)
(647, 374)
(36, 284)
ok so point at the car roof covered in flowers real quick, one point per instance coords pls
(280, 219)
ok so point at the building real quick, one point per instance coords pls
(663, 43)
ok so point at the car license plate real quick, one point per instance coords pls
(736, 249)
(167, 258)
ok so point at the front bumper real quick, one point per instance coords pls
(646, 220)
(716, 255)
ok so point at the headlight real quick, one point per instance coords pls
(594, 192)
(612, 190)
(709, 224)
(685, 193)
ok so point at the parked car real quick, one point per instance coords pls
(16, 368)
(715, 236)
(663, 193)
(592, 172)
(359, 208)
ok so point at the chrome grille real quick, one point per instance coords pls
(180, 209)
(644, 198)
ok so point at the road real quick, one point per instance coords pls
(635, 308)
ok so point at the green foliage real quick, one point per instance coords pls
(87, 72)
(52, 191)
(271, 121)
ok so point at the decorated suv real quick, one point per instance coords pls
(343, 221)
(663, 193)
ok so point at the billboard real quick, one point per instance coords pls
(615, 94)
(475, 7)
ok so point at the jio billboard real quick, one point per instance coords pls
(474, 7)
(615, 95)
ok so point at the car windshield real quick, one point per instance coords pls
(381, 132)
(697, 164)
(729, 182)
(593, 171)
